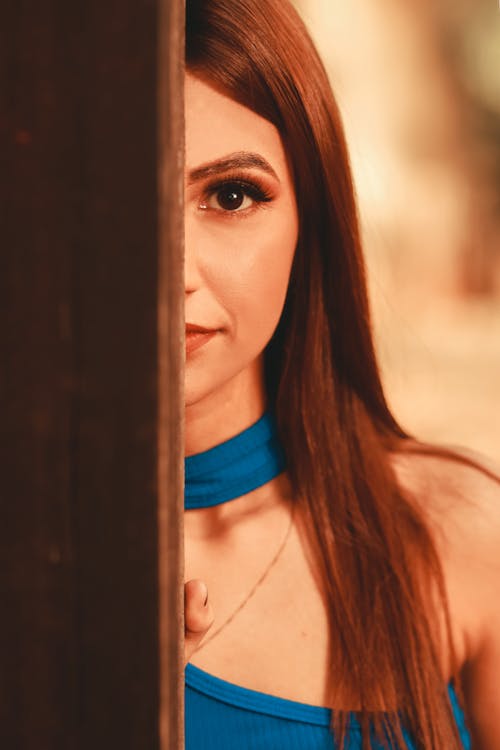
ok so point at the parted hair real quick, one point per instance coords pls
(376, 558)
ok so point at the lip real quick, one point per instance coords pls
(193, 328)
(196, 338)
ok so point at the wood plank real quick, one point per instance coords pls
(84, 278)
(171, 373)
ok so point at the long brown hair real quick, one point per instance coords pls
(324, 386)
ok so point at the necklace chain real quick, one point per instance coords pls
(253, 589)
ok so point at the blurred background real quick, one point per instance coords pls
(418, 85)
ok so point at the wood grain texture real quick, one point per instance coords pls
(84, 262)
(171, 373)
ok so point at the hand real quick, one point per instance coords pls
(198, 615)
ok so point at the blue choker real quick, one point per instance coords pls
(236, 466)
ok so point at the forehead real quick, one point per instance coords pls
(216, 125)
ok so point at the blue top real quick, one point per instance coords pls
(224, 716)
(219, 714)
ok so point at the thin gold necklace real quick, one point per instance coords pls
(254, 588)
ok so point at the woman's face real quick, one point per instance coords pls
(241, 231)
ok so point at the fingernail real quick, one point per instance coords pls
(206, 594)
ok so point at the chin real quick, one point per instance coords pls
(198, 388)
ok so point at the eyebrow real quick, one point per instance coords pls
(238, 160)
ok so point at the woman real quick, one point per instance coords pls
(352, 572)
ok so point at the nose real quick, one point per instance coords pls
(192, 277)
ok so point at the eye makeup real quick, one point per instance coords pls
(228, 195)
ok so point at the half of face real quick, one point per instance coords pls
(241, 230)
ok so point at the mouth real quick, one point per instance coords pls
(197, 338)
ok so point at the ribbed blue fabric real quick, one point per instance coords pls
(236, 466)
(224, 716)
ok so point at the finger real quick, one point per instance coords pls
(198, 615)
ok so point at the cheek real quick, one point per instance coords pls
(259, 267)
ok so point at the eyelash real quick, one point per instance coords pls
(254, 189)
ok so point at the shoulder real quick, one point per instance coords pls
(460, 499)
(459, 488)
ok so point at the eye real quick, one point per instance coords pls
(234, 196)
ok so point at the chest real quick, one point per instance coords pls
(278, 642)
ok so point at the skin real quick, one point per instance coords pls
(237, 271)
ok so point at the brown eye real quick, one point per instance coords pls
(231, 197)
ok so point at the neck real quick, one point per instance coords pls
(210, 524)
(225, 412)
